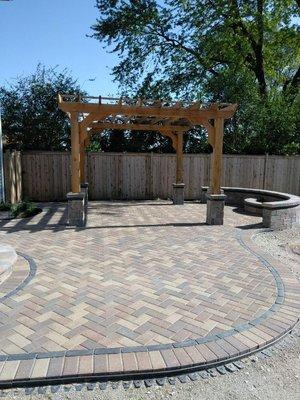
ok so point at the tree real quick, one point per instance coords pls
(31, 118)
(243, 51)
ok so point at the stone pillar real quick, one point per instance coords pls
(215, 208)
(178, 193)
(76, 209)
(281, 218)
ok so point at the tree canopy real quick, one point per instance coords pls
(240, 51)
(31, 119)
(237, 51)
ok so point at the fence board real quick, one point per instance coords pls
(46, 175)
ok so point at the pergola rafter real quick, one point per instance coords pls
(90, 115)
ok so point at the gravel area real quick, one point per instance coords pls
(270, 378)
(284, 245)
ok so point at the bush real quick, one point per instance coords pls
(5, 206)
(23, 209)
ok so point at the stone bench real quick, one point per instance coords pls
(278, 210)
(253, 206)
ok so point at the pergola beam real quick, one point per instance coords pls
(164, 112)
(139, 127)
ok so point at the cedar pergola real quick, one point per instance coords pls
(90, 115)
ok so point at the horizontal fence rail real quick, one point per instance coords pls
(45, 176)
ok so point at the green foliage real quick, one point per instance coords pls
(31, 119)
(23, 209)
(243, 52)
(5, 206)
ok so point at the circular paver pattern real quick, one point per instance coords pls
(143, 278)
(22, 271)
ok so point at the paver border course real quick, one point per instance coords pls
(163, 359)
(25, 279)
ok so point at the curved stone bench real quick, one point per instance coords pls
(279, 210)
(253, 206)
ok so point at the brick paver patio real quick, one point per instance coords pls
(146, 286)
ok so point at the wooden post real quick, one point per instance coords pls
(82, 163)
(265, 171)
(12, 177)
(75, 153)
(216, 158)
(179, 158)
(18, 175)
(82, 133)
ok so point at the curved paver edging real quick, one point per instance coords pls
(28, 276)
(173, 358)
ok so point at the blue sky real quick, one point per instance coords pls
(53, 32)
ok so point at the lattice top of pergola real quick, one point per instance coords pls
(144, 114)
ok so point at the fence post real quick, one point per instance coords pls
(18, 169)
(265, 170)
(13, 176)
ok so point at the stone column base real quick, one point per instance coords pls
(178, 193)
(282, 218)
(76, 209)
(215, 209)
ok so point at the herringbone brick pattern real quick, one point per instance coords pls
(138, 274)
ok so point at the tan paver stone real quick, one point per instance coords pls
(115, 362)
(246, 341)
(100, 363)
(71, 365)
(157, 360)
(169, 358)
(129, 362)
(55, 368)
(40, 368)
(19, 340)
(24, 369)
(86, 365)
(183, 356)
(143, 361)
(9, 370)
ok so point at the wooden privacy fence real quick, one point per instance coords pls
(45, 176)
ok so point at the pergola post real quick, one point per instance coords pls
(215, 196)
(75, 153)
(76, 199)
(216, 157)
(82, 158)
(178, 187)
(179, 158)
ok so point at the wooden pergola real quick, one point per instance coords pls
(90, 115)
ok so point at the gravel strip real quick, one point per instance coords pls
(284, 245)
